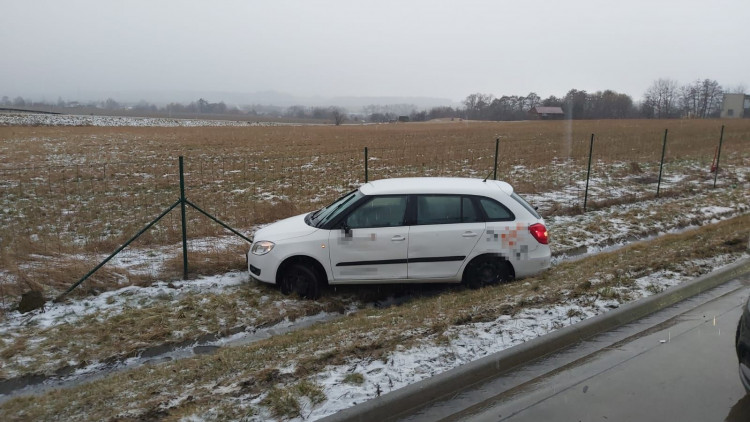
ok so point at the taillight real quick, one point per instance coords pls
(539, 232)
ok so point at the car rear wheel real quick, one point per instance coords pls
(301, 280)
(486, 270)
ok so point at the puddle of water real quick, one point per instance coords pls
(581, 252)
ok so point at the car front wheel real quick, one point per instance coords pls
(301, 280)
(486, 270)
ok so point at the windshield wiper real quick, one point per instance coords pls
(315, 213)
(333, 211)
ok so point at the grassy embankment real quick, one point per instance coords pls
(223, 385)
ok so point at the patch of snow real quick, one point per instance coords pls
(115, 301)
(73, 120)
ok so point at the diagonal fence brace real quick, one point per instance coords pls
(197, 208)
(101, 264)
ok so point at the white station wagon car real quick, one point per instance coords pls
(409, 230)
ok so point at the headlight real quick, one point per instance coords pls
(262, 247)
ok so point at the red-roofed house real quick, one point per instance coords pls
(546, 113)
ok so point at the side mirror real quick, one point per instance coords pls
(347, 230)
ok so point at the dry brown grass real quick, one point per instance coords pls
(85, 190)
(210, 262)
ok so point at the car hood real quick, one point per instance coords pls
(287, 228)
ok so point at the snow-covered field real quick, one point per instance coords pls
(73, 120)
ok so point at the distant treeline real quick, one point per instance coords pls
(665, 98)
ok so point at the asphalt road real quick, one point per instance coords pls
(677, 364)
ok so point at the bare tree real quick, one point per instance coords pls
(532, 100)
(575, 104)
(701, 99)
(477, 105)
(552, 101)
(689, 99)
(471, 101)
(737, 89)
(338, 115)
(661, 98)
(710, 95)
(110, 104)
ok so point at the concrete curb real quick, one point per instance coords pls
(399, 402)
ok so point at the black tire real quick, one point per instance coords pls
(486, 270)
(301, 280)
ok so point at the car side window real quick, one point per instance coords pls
(380, 211)
(496, 211)
(446, 209)
(470, 213)
(438, 209)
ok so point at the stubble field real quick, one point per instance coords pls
(71, 195)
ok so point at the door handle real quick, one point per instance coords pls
(398, 238)
(469, 234)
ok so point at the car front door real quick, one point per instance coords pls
(447, 229)
(371, 243)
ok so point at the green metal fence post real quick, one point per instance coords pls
(184, 223)
(718, 155)
(497, 145)
(183, 202)
(661, 165)
(588, 173)
(366, 175)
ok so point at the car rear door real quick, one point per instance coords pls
(446, 229)
(372, 241)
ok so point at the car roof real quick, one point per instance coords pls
(435, 185)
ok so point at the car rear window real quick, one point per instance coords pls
(496, 211)
(525, 204)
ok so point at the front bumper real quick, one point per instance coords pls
(263, 267)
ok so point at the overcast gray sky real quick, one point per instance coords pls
(446, 49)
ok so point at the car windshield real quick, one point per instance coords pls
(326, 214)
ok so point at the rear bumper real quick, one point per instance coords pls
(536, 262)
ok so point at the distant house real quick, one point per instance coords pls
(403, 118)
(735, 106)
(546, 113)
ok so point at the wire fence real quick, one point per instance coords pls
(92, 207)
